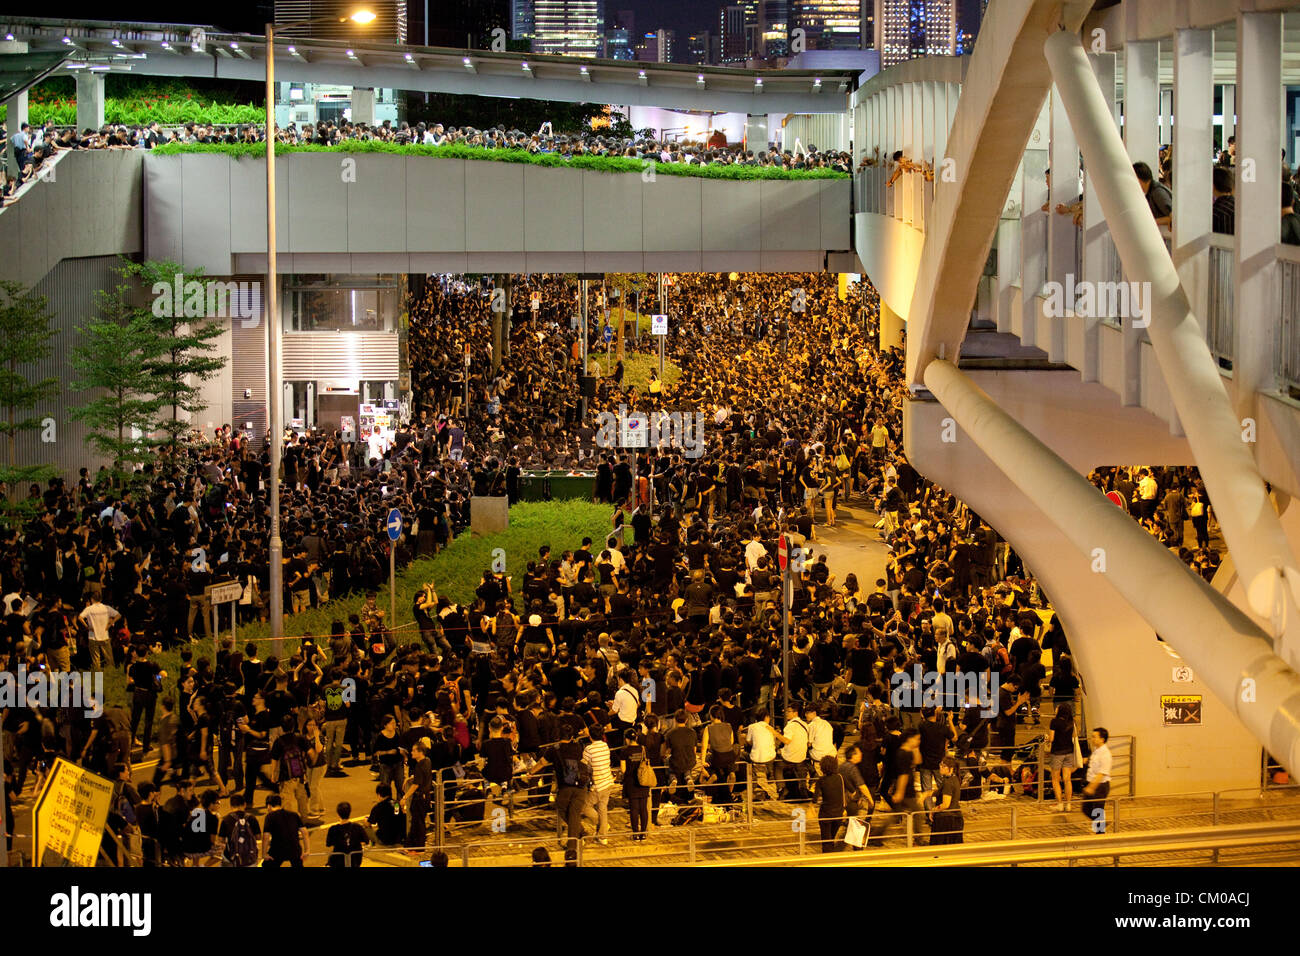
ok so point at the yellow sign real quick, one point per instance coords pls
(69, 818)
(1180, 709)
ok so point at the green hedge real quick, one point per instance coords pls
(138, 111)
(608, 164)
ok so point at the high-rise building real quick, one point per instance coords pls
(699, 48)
(618, 45)
(568, 27)
(731, 34)
(970, 13)
(521, 19)
(906, 29)
(657, 47)
(389, 25)
(774, 33)
(828, 24)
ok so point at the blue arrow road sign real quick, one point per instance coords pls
(394, 525)
(609, 332)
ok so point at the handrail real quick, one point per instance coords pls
(1007, 853)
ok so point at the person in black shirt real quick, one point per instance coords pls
(345, 839)
(143, 681)
(946, 823)
(284, 838)
(386, 819)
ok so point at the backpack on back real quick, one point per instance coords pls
(241, 848)
(573, 771)
(293, 760)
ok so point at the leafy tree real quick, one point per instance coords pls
(628, 283)
(25, 335)
(115, 358)
(187, 334)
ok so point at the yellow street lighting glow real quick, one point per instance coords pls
(362, 16)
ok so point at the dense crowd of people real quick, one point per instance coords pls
(647, 666)
(34, 145)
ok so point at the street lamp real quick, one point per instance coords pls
(274, 331)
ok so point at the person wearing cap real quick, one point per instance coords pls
(536, 640)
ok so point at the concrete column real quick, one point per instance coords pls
(927, 146)
(1193, 144)
(1062, 235)
(1229, 112)
(90, 100)
(363, 105)
(1097, 250)
(1250, 525)
(1141, 101)
(1166, 115)
(756, 132)
(1259, 170)
(16, 111)
(891, 327)
(1033, 226)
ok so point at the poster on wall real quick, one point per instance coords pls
(1181, 709)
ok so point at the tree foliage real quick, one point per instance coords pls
(26, 334)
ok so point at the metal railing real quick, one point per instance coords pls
(1068, 850)
(797, 833)
(1220, 313)
(1286, 355)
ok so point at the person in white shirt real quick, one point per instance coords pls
(794, 755)
(1098, 786)
(762, 751)
(753, 551)
(821, 736)
(596, 756)
(627, 701)
(98, 617)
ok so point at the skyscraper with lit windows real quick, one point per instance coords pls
(828, 24)
(906, 29)
(568, 27)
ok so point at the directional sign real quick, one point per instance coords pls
(782, 552)
(394, 525)
(609, 333)
(69, 817)
(225, 592)
(658, 325)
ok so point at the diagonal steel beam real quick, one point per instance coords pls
(1250, 525)
(1225, 647)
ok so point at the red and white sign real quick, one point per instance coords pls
(1117, 499)
(782, 552)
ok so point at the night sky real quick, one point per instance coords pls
(249, 16)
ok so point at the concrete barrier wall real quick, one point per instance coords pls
(89, 206)
(418, 214)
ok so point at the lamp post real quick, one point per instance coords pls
(274, 331)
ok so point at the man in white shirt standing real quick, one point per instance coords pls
(596, 756)
(1098, 786)
(762, 751)
(821, 736)
(98, 617)
(794, 755)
